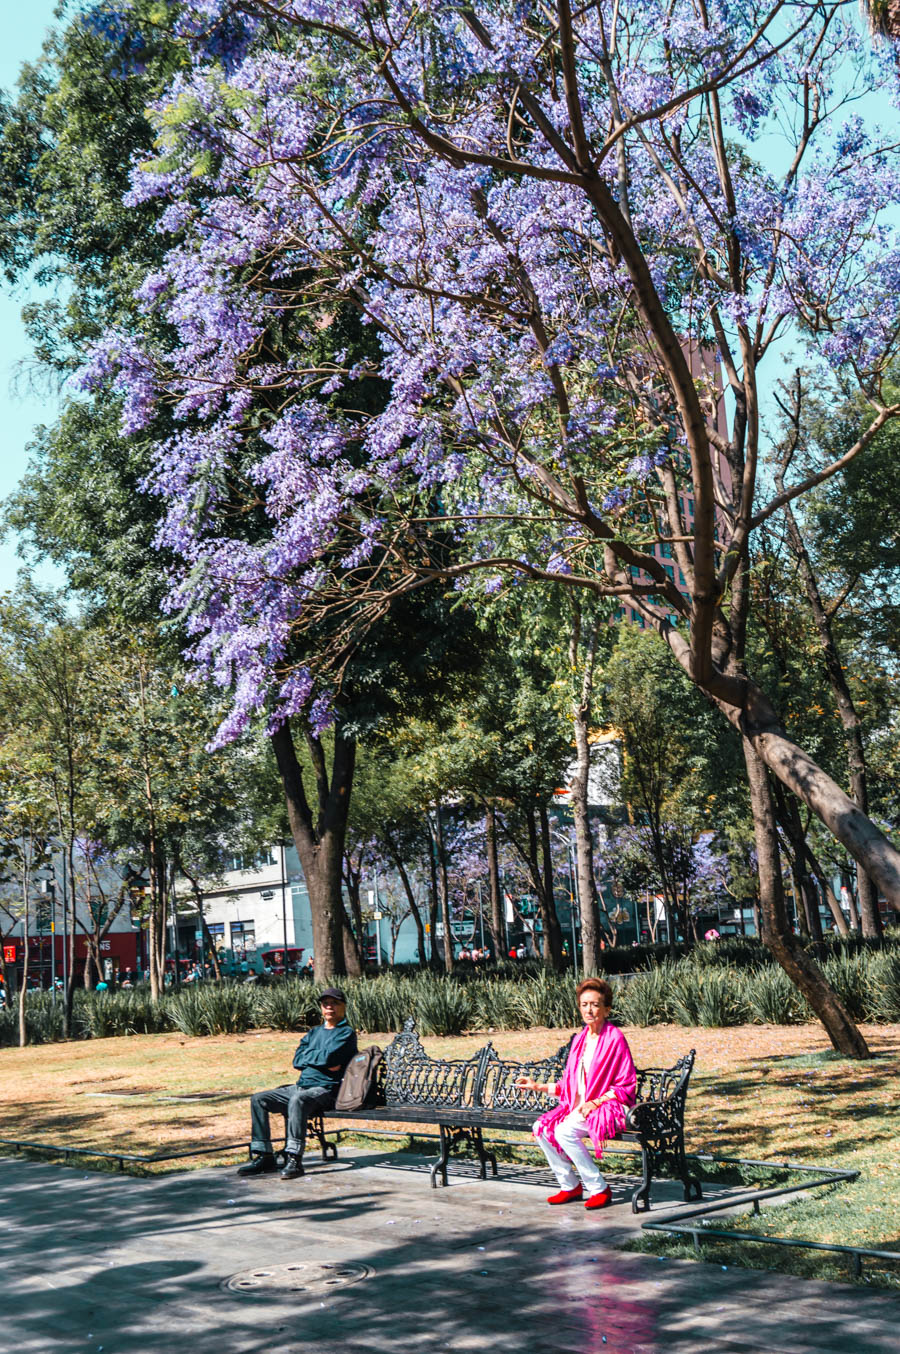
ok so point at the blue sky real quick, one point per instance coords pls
(21, 410)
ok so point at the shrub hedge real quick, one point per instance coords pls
(722, 983)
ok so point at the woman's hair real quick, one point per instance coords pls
(595, 985)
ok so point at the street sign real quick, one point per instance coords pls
(376, 916)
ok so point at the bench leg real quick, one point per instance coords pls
(693, 1191)
(315, 1130)
(640, 1199)
(483, 1156)
(440, 1166)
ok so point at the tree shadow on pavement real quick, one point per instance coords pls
(139, 1266)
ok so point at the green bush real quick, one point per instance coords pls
(289, 1005)
(213, 1008)
(848, 974)
(101, 1015)
(710, 997)
(384, 1002)
(884, 975)
(442, 1008)
(496, 1005)
(772, 999)
(549, 1001)
(644, 999)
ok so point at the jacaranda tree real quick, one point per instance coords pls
(566, 226)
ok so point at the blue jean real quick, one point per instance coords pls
(298, 1104)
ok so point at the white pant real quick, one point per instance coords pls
(575, 1161)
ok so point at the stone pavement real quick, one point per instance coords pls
(362, 1256)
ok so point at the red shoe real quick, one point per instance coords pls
(599, 1200)
(565, 1196)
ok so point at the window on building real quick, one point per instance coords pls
(251, 860)
(670, 571)
(666, 550)
(217, 931)
(243, 937)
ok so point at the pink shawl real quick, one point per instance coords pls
(612, 1069)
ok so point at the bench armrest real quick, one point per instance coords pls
(657, 1118)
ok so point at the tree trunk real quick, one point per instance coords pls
(69, 898)
(800, 967)
(23, 991)
(415, 913)
(352, 884)
(444, 890)
(206, 940)
(553, 951)
(856, 757)
(432, 901)
(497, 924)
(807, 899)
(834, 907)
(578, 791)
(320, 841)
(353, 964)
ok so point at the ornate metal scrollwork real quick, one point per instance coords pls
(411, 1077)
(467, 1135)
(497, 1088)
(658, 1119)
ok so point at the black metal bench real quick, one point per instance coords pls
(463, 1097)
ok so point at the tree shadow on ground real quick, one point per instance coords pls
(139, 1265)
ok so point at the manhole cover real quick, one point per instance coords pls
(302, 1277)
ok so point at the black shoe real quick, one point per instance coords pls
(293, 1167)
(262, 1164)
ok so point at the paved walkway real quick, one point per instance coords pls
(362, 1257)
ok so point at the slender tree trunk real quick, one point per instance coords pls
(800, 967)
(414, 910)
(497, 922)
(807, 900)
(353, 965)
(320, 840)
(432, 900)
(352, 886)
(444, 890)
(23, 991)
(578, 791)
(850, 721)
(553, 950)
(834, 907)
(72, 903)
(206, 934)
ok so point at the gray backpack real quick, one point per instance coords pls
(359, 1088)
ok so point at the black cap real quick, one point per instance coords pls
(335, 993)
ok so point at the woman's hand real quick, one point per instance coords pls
(529, 1084)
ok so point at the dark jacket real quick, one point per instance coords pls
(322, 1055)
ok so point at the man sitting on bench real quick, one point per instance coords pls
(321, 1058)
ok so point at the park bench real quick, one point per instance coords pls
(464, 1097)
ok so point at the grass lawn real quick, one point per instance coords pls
(764, 1092)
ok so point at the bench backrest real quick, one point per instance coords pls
(496, 1087)
(410, 1077)
(666, 1083)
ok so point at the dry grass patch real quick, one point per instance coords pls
(771, 1092)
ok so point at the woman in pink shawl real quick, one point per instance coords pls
(597, 1087)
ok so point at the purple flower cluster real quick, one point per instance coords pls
(314, 159)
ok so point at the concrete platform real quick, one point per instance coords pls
(362, 1256)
